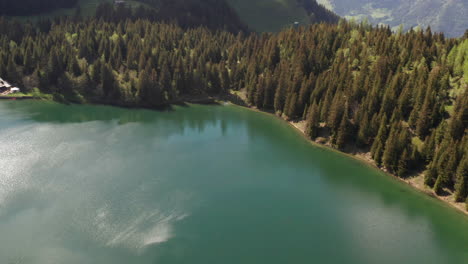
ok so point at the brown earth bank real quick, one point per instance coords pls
(416, 180)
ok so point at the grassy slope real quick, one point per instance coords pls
(269, 15)
(88, 8)
(260, 15)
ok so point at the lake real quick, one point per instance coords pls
(201, 184)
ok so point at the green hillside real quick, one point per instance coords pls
(259, 15)
(275, 15)
(270, 15)
(88, 8)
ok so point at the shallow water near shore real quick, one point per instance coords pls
(201, 184)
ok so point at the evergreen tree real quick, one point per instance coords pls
(379, 142)
(343, 131)
(390, 155)
(364, 132)
(461, 187)
(312, 123)
(12, 71)
(430, 175)
(403, 164)
(109, 85)
(144, 87)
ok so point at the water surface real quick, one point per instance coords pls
(201, 184)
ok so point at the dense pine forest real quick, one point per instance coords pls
(317, 12)
(401, 96)
(214, 14)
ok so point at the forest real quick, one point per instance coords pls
(400, 96)
(317, 12)
(214, 14)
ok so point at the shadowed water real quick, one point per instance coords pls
(200, 184)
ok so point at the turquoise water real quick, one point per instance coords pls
(201, 184)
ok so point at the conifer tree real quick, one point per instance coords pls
(12, 71)
(364, 132)
(279, 98)
(430, 176)
(403, 164)
(343, 131)
(390, 155)
(108, 82)
(96, 71)
(312, 122)
(379, 142)
(461, 187)
(144, 87)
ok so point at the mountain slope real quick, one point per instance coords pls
(448, 16)
(23, 10)
(274, 15)
(259, 15)
(214, 14)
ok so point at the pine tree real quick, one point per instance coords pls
(290, 107)
(144, 87)
(424, 122)
(12, 71)
(312, 122)
(403, 164)
(430, 176)
(258, 97)
(445, 168)
(155, 93)
(74, 67)
(343, 131)
(165, 80)
(429, 147)
(28, 63)
(335, 113)
(54, 68)
(440, 183)
(390, 155)
(96, 71)
(279, 99)
(379, 142)
(364, 132)
(109, 86)
(461, 186)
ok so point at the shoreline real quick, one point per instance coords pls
(416, 181)
(18, 97)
